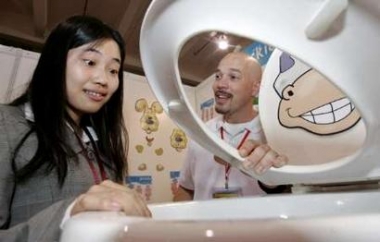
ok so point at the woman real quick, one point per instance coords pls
(63, 142)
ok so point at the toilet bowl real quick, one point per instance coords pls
(301, 217)
(339, 39)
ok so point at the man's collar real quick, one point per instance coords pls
(234, 129)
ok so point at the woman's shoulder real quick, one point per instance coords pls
(13, 125)
(12, 118)
(11, 112)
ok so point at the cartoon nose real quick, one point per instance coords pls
(178, 139)
(149, 120)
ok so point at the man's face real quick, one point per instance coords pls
(233, 87)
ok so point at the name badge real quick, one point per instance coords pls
(226, 193)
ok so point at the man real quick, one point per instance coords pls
(205, 176)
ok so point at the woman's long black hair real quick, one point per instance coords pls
(47, 96)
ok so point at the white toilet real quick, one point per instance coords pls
(339, 39)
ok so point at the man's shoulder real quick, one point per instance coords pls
(255, 124)
(257, 131)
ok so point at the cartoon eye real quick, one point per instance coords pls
(288, 92)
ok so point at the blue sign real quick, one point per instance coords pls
(208, 103)
(174, 174)
(144, 180)
(259, 51)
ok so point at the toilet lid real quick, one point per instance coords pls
(336, 38)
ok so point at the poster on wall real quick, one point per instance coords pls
(207, 109)
(156, 145)
(174, 176)
(141, 184)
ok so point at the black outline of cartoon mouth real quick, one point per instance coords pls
(330, 113)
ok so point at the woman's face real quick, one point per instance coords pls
(92, 76)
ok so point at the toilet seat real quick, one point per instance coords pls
(297, 28)
(330, 38)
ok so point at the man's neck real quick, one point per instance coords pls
(243, 118)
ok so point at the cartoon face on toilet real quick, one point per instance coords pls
(309, 101)
(304, 115)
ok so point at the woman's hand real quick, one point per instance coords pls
(110, 196)
(260, 157)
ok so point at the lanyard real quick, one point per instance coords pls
(91, 158)
(227, 166)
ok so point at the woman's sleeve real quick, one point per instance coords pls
(45, 225)
(6, 175)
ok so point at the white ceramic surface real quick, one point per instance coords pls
(306, 217)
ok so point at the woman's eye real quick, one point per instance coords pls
(217, 76)
(114, 72)
(89, 62)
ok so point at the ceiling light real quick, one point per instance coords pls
(222, 42)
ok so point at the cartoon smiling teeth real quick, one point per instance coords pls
(331, 112)
(310, 102)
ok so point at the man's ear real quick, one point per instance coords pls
(255, 89)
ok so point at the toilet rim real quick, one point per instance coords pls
(162, 38)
